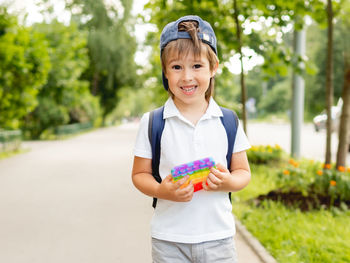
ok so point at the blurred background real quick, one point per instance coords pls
(96, 63)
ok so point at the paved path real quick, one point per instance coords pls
(73, 201)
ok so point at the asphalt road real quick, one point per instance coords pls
(73, 201)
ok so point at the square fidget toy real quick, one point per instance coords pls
(198, 172)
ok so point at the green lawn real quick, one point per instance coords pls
(4, 155)
(291, 235)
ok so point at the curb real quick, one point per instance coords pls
(257, 247)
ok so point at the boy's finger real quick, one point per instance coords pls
(214, 178)
(186, 192)
(211, 185)
(168, 178)
(222, 168)
(189, 187)
(216, 172)
(181, 181)
(205, 185)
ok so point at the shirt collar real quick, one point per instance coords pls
(170, 110)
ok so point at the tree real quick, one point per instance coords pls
(329, 80)
(24, 66)
(111, 48)
(64, 98)
(239, 49)
(344, 128)
(315, 99)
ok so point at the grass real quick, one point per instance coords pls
(289, 234)
(263, 180)
(4, 155)
(50, 136)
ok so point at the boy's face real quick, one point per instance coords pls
(188, 77)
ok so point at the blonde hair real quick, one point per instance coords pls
(182, 47)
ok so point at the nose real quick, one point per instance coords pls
(187, 74)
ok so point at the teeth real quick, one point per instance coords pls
(189, 89)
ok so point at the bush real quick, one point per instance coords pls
(265, 154)
(297, 176)
(291, 234)
(333, 182)
(310, 179)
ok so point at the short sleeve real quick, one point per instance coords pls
(142, 145)
(241, 142)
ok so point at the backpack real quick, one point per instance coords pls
(155, 129)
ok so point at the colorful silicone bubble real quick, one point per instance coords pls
(198, 172)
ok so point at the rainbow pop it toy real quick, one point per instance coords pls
(198, 172)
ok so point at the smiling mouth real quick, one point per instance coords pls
(189, 89)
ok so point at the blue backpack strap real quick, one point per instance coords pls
(230, 122)
(155, 130)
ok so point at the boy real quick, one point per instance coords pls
(188, 226)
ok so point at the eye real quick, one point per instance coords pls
(177, 67)
(197, 66)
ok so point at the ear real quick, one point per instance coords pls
(213, 72)
(165, 74)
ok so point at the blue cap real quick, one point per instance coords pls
(171, 32)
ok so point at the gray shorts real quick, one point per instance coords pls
(218, 251)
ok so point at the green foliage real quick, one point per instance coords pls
(24, 66)
(315, 98)
(64, 98)
(263, 180)
(334, 183)
(308, 178)
(293, 237)
(227, 90)
(297, 176)
(265, 154)
(10, 140)
(289, 234)
(8, 154)
(46, 115)
(277, 99)
(132, 103)
(75, 128)
(111, 48)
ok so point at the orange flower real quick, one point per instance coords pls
(319, 172)
(294, 163)
(349, 170)
(286, 172)
(341, 168)
(327, 166)
(333, 183)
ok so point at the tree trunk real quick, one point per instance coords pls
(344, 128)
(329, 81)
(243, 88)
(95, 83)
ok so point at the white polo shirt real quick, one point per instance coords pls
(208, 216)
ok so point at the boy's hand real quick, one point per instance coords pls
(218, 179)
(171, 191)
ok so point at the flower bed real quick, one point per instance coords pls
(305, 183)
(264, 154)
(299, 210)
